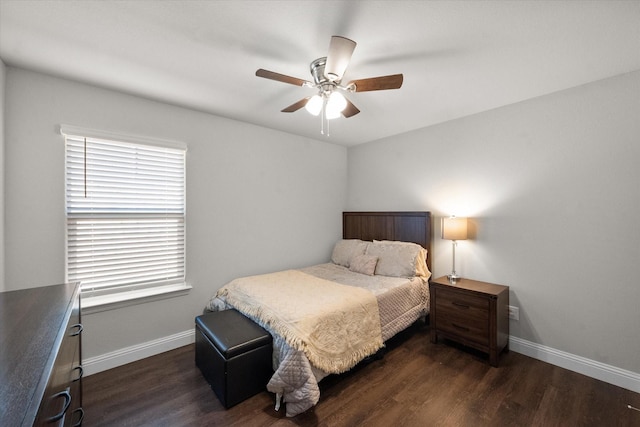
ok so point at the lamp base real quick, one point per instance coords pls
(453, 277)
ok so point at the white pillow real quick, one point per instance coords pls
(399, 259)
(364, 264)
(346, 249)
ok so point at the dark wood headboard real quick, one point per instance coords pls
(404, 226)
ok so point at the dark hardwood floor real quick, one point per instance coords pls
(416, 384)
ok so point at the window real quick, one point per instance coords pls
(125, 213)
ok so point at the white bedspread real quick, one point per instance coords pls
(335, 325)
(401, 302)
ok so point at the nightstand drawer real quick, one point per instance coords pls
(464, 315)
(461, 301)
(463, 328)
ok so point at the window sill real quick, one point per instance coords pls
(114, 301)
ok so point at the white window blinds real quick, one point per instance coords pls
(125, 205)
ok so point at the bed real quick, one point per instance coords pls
(326, 318)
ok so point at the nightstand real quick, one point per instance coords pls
(472, 313)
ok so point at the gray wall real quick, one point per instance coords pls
(551, 185)
(3, 72)
(258, 200)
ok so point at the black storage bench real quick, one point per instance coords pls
(234, 355)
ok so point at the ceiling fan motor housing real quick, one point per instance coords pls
(317, 71)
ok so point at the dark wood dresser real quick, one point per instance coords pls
(473, 313)
(40, 360)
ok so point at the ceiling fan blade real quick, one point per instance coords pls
(296, 105)
(280, 77)
(393, 81)
(340, 51)
(350, 110)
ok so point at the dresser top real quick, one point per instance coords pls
(31, 329)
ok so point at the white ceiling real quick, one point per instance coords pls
(458, 57)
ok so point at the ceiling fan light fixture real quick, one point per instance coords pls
(314, 105)
(328, 72)
(335, 104)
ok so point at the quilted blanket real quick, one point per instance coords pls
(335, 325)
(295, 380)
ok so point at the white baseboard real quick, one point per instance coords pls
(93, 365)
(600, 371)
(591, 368)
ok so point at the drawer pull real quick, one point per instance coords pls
(78, 368)
(464, 328)
(67, 402)
(458, 304)
(81, 411)
(76, 333)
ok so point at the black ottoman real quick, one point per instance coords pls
(234, 355)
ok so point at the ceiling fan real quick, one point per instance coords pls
(327, 73)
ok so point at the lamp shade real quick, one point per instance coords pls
(454, 228)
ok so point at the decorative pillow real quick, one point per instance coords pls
(399, 259)
(346, 249)
(364, 264)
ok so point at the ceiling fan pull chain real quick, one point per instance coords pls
(326, 124)
(324, 127)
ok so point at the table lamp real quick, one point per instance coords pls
(454, 229)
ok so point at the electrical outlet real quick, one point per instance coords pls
(514, 312)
